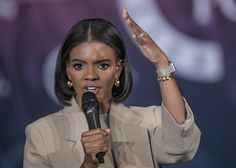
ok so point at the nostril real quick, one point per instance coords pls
(89, 77)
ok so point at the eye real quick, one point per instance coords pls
(78, 66)
(103, 66)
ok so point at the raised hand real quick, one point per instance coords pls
(147, 46)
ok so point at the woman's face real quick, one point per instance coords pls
(92, 67)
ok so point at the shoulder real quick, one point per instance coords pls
(55, 118)
(46, 120)
(147, 109)
(137, 109)
(52, 125)
(47, 131)
(140, 110)
(149, 116)
(46, 134)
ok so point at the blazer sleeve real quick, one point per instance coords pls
(171, 142)
(35, 153)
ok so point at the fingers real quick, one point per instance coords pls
(95, 141)
(96, 131)
(108, 130)
(138, 33)
(147, 45)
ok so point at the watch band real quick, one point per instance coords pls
(166, 71)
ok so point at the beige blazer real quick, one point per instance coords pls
(142, 137)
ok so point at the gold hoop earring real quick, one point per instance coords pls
(117, 83)
(69, 84)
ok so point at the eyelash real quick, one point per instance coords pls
(102, 66)
(78, 66)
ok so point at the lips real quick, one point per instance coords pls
(93, 89)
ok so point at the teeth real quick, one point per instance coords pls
(90, 88)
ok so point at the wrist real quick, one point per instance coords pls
(162, 62)
(89, 164)
(166, 73)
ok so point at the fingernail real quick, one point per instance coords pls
(125, 11)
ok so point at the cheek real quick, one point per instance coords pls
(108, 85)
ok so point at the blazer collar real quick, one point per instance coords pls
(77, 121)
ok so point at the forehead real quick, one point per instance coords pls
(92, 50)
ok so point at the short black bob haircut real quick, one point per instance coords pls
(92, 30)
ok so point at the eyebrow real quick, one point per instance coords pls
(96, 62)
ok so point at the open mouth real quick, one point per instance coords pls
(93, 89)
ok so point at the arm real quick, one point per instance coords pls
(171, 142)
(170, 93)
(175, 139)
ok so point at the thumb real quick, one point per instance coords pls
(107, 130)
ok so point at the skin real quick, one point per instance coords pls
(96, 140)
(170, 93)
(93, 64)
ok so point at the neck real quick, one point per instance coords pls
(104, 107)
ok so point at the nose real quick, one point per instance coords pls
(91, 74)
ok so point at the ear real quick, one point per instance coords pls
(68, 71)
(119, 68)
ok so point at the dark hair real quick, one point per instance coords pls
(89, 30)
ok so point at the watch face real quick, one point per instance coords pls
(172, 66)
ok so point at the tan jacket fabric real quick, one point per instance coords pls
(141, 137)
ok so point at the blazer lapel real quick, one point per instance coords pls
(77, 124)
(131, 144)
(130, 141)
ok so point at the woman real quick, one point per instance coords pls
(93, 59)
